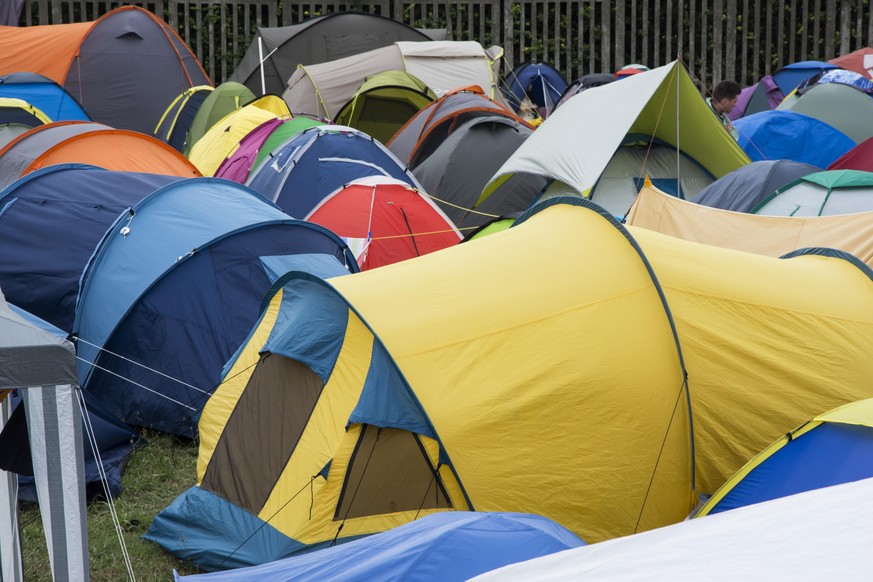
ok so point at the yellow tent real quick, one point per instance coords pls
(764, 235)
(223, 138)
(531, 405)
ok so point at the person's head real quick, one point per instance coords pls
(725, 95)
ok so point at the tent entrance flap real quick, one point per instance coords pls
(389, 471)
(252, 455)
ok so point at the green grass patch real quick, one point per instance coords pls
(157, 473)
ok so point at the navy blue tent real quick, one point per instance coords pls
(786, 135)
(174, 125)
(44, 94)
(790, 76)
(113, 438)
(449, 546)
(51, 221)
(541, 83)
(174, 288)
(316, 162)
(742, 189)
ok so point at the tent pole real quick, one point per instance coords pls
(261, 65)
(678, 151)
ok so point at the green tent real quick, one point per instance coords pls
(282, 134)
(821, 194)
(384, 103)
(227, 97)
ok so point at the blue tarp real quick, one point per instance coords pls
(318, 161)
(827, 455)
(51, 221)
(174, 288)
(450, 546)
(786, 135)
(44, 94)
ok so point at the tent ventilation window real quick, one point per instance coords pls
(389, 471)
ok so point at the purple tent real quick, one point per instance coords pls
(762, 96)
(255, 146)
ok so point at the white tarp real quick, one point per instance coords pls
(823, 534)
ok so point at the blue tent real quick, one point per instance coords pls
(113, 438)
(790, 76)
(786, 135)
(833, 448)
(451, 546)
(742, 189)
(44, 94)
(174, 288)
(539, 82)
(317, 161)
(51, 221)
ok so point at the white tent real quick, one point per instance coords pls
(43, 367)
(578, 141)
(823, 534)
(324, 88)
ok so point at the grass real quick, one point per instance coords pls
(156, 474)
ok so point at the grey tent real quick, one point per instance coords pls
(742, 189)
(821, 194)
(458, 169)
(318, 40)
(843, 107)
(10, 12)
(43, 367)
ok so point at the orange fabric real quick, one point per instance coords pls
(48, 50)
(117, 149)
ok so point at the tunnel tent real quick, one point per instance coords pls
(358, 367)
(318, 40)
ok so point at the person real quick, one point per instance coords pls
(723, 100)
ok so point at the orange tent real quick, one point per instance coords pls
(860, 61)
(124, 68)
(89, 143)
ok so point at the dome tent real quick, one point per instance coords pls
(43, 93)
(185, 269)
(89, 143)
(175, 123)
(318, 40)
(540, 83)
(825, 193)
(743, 188)
(123, 68)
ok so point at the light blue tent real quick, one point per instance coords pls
(174, 288)
(44, 94)
(786, 135)
(452, 546)
(51, 221)
(317, 161)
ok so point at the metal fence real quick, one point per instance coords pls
(736, 39)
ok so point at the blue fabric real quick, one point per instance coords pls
(52, 220)
(827, 455)
(387, 400)
(316, 162)
(845, 77)
(449, 546)
(540, 82)
(310, 327)
(164, 227)
(185, 119)
(44, 94)
(790, 76)
(208, 530)
(190, 320)
(786, 135)
(320, 265)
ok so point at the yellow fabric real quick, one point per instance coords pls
(221, 404)
(553, 395)
(272, 104)
(768, 343)
(223, 138)
(859, 413)
(21, 104)
(765, 235)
